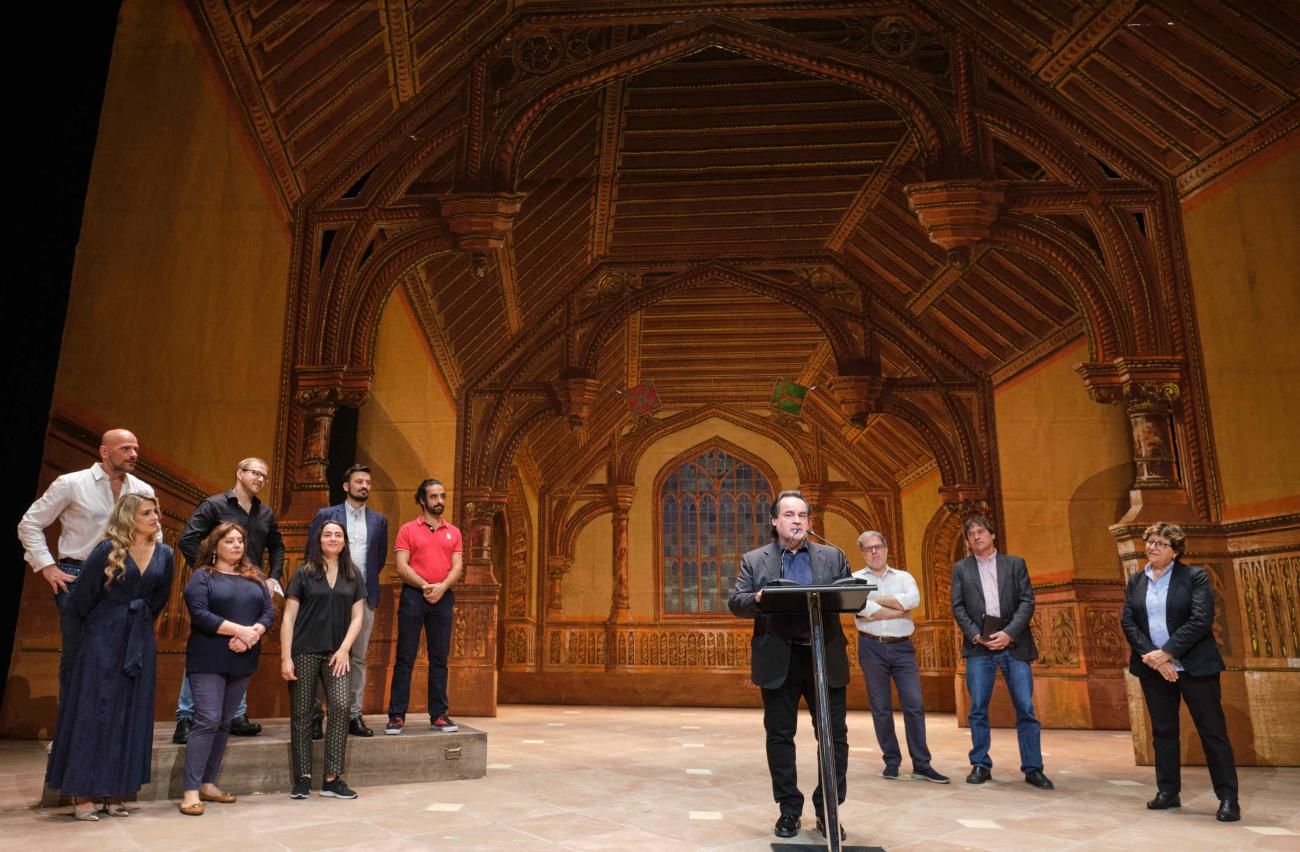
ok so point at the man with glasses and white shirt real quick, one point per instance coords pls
(885, 652)
(81, 502)
(239, 505)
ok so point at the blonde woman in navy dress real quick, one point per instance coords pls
(104, 742)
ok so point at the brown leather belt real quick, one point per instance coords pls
(884, 640)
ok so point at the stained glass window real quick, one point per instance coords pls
(712, 509)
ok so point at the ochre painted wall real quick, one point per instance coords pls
(406, 431)
(176, 315)
(590, 582)
(920, 501)
(1066, 467)
(1243, 246)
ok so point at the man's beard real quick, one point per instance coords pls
(437, 510)
(360, 498)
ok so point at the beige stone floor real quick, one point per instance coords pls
(597, 778)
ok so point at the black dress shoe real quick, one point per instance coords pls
(357, 728)
(318, 728)
(821, 829)
(1039, 780)
(979, 774)
(1164, 801)
(1229, 811)
(787, 825)
(241, 727)
(182, 735)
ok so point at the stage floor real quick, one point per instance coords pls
(656, 779)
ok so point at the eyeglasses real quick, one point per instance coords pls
(873, 548)
(1153, 544)
(256, 474)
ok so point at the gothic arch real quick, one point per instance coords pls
(926, 118)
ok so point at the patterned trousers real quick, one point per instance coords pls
(310, 669)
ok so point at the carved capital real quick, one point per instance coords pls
(1148, 384)
(968, 499)
(318, 392)
(1149, 388)
(858, 396)
(956, 213)
(481, 220)
(620, 498)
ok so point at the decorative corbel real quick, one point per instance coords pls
(480, 222)
(575, 392)
(956, 213)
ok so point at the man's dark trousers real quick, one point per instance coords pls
(414, 614)
(780, 719)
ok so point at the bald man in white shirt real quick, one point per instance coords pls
(81, 502)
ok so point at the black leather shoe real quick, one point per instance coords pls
(787, 825)
(821, 829)
(318, 728)
(1039, 780)
(1229, 811)
(182, 735)
(1164, 801)
(357, 728)
(241, 727)
(979, 774)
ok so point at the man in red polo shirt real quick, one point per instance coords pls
(428, 554)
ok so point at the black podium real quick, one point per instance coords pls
(845, 596)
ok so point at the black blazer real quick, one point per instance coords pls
(770, 648)
(1189, 615)
(376, 543)
(1015, 600)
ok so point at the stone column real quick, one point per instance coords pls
(556, 568)
(618, 642)
(473, 672)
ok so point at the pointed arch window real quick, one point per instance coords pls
(713, 507)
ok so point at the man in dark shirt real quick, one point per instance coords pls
(239, 505)
(781, 656)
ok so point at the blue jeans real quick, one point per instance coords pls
(185, 704)
(981, 669)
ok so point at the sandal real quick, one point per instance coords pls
(116, 809)
(195, 809)
(222, 797)
(86, 816)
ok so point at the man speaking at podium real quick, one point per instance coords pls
(781, 652)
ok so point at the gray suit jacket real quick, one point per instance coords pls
(1015, 599)
(770, 648)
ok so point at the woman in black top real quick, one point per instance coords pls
(230, 610)
(1168, 618)
(322, 617)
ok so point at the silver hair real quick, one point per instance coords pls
(862, 539)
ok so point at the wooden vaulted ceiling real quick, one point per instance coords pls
(717, 157)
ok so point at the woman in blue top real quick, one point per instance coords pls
(230, 611)
(104, 741)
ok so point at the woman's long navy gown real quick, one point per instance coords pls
(103, 744)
